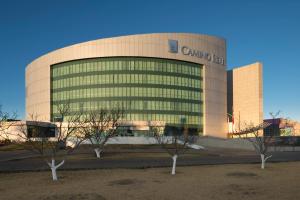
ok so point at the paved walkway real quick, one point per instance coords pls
(135, 158)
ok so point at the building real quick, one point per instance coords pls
(19, 130)
(245, 96)
(282, 127)
(172, 78)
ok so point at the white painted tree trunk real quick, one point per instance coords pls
(174, 164)
(263, 160)
(54, 167)
(262, 156)
(98, 152)
(54, 175)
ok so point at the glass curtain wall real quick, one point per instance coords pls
(147, 88)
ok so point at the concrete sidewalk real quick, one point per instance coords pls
(16, 155)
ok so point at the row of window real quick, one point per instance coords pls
(86, 82)
(172, 119)
(133, 105)
(126, 79)
(127, 64)
(126, 92)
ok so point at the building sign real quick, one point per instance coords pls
(185, 50)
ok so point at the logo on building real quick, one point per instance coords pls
(185, 50)
(173, 46)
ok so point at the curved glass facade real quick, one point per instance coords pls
(148, 88)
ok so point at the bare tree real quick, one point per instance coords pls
(100, 126)
(36, 136)
(259, 141)
(275, 115)
(5, 123)
(176, 143)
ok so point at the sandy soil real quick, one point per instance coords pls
(219, 182)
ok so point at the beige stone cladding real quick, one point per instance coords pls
(143, 45)
(247, 95)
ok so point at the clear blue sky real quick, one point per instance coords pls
(255, 30)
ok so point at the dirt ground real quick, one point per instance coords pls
(278, 181)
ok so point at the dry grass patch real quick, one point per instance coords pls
(217, 182)
(82, 196)
(242, 174)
